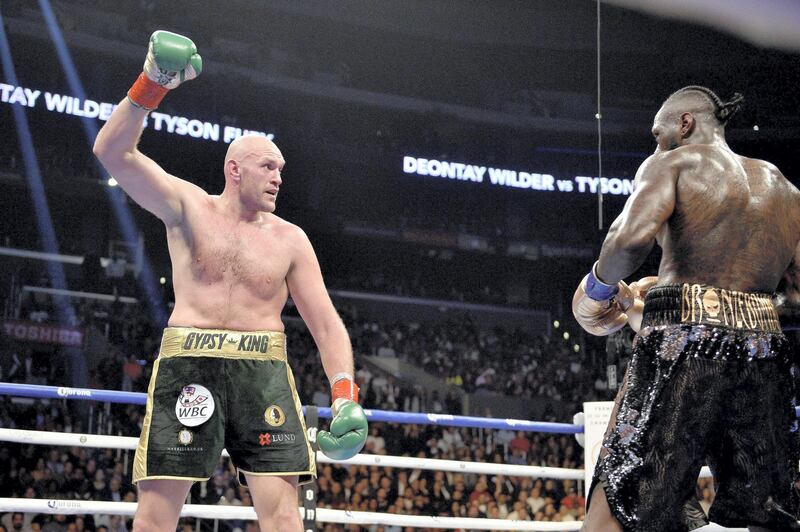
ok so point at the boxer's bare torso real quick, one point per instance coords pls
(721, 219)
(229, 274)
(735, 224)
(234, 262)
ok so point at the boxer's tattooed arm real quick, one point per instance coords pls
(633, 233)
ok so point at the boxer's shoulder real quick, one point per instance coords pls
(760, 165)
(656, 166)
(196, 195)
(286, 231)
(282, 226)
(675, 158)
(199, 207)
(694, 155)
(701, 160)
(768, 173)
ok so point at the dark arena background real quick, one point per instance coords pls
(456, 166)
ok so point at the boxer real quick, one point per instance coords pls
(222, 377)
(710, 374)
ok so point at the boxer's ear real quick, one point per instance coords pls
(688, 123)
(233, 170)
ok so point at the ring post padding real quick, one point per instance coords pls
(310, 489)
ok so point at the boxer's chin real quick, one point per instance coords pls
(268, 206)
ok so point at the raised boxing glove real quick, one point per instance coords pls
(348, 430)
(171, 60)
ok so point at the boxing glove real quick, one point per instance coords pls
(639, 290)
(348, 430)
(171, 60)
(600, 308)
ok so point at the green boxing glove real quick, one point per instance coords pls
(348, 432)
(171, 60)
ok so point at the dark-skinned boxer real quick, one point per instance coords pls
(710, 375)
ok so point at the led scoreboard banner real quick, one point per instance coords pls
(503, 177)
(210, 131)
(70, 105)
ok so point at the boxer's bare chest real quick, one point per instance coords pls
(216, 253)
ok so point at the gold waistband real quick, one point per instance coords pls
(729, 308)
(187, 341)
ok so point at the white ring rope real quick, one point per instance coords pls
(37, 437)
(324, 515)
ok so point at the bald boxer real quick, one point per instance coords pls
(710, 375)
(222, 377)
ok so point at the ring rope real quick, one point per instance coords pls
(36, 437)
(325, 515)
(111, 396)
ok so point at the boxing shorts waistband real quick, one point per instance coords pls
(222, 343)
(698, 304)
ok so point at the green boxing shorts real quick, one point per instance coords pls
(213, 389)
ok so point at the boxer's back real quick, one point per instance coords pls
(736, 222)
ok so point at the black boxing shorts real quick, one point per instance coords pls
(710, 382)
(216, 388)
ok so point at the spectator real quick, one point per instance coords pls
(519, 513)
(375, 442)
(132, 372)
(17, 521)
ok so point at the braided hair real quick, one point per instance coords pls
(723, 111)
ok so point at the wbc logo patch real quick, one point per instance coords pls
(194, 406)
